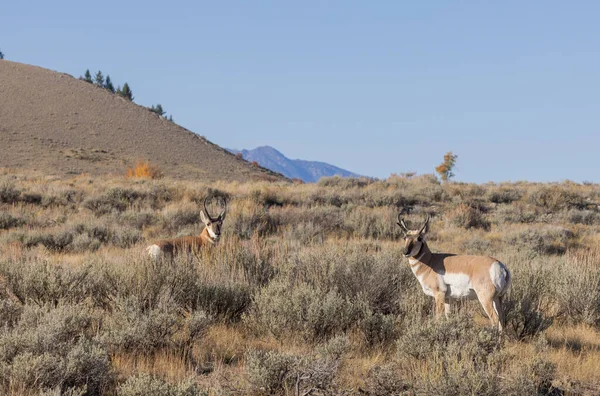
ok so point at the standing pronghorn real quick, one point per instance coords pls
(448, 276)
(210, 235)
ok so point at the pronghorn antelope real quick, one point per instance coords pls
(448, 277)
(210, 235)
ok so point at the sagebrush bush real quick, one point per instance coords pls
(283, 309)
(583, 216)
(578, 288)
(144, 384)
(466, 216)
(556, 198)
(273, 372)
(133, 328)
(9, 193)
(227, 302)
(517, 212)
(527, 304)
(177, 218)
(248, 218)
(115, 200)
(456, 337)
(504, 195)
(53, 348)
(450, 357)
(36, 281)
(544, 240)
(9, 221)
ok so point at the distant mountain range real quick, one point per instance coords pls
(307, 171)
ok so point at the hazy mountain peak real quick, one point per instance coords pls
(308, 171)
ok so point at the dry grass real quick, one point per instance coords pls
(308, 279)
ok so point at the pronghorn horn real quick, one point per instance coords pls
(401, 223)
(206, 210)
(425, 225)
(224, 208)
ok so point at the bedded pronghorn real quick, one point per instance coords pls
(210, 235)
(448, 277)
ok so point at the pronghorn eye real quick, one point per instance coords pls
(420, 239)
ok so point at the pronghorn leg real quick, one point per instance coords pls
(487, 302)
(439, 304)
(499, 312)
(447, 308)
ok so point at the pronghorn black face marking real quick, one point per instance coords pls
(213, 224)
(413, 240)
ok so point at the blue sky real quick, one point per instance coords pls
(377, 88)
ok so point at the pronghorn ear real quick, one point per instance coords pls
(203, 217)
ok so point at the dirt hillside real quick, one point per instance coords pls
(54, 123)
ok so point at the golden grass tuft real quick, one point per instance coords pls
(144, 170)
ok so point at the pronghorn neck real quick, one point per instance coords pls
(423, 257)
(205, 235)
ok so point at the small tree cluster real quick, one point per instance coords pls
(158, 110)
(107, 84)
(125, 92)
(445, 168)
(1, 55)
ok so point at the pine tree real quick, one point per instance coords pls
(126, 92)
(119, 91)
(99, 79)
(445, 168)
(171, 117)
(158, 110)
(87, 76)
(1, 55)
(109, 85)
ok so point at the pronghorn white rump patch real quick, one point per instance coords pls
(499, 276)
(153, 251)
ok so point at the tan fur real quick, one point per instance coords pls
(448, 277)
(187, 244)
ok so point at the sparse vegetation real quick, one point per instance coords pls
(307, 291)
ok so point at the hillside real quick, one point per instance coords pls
(57, 124)
(307, 171)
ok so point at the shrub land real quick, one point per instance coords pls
(307, 292)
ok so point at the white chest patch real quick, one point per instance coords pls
(458, 285)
